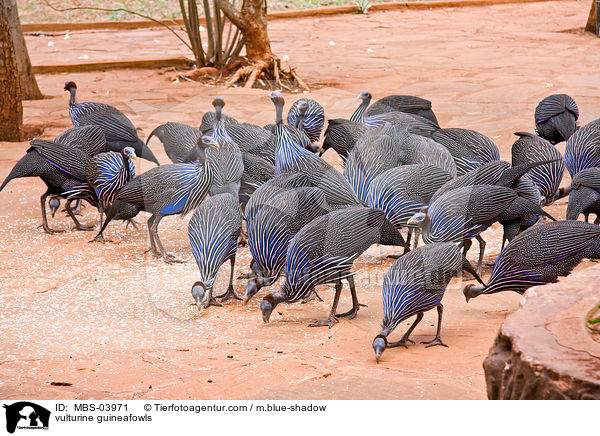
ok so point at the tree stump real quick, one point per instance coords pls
(11, 108)
(29, 86)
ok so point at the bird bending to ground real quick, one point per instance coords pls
(213, 232)
(324, 251)
(414, 284)
(540, 255)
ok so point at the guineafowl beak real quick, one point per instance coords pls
(472, 291)
(379, 346)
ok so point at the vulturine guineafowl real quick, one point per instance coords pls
(531, 148)
(342, 135)
(584, 195)
(174, 189)
(213, 232)
(291, 157)
(313, 120)
(414, 284)
(403, 191)
(583, 148)
(556, 118)
(388, 147)
(498, 173)
(410, 122)
(56, 179)
(464, 213)
(179, 140)
(540, 255)
(470, 149)
(324, 251)
(105, 174)
(272, 228)
(118, 129)
(403, 103)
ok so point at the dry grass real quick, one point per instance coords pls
(35, 11)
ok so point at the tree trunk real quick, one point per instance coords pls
(258, 45)
(592, 25)
(29, 86)
(11, 109)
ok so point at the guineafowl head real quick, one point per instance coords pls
(198, 292)
(420, 219)
(250, 290)
(128, 153)
(70, 86)
(472, 291)
(279, 102)
(219, 104)
(54, 204)
(365, 95)
(379, 345)
(204, 142)
(269, 303)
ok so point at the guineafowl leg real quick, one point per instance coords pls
(351, 314)
(481, 251)
(100, 237)
(409, 234)
(587, 217)
(597, 220)
(45, 225)
(152, 248)
(153, 229)
(78, 225)
(230, 292)
(437, 340)
(466, 245)
(332, 318)
(402, 342)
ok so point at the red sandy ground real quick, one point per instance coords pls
(116, 323)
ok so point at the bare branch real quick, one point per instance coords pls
(232, 13)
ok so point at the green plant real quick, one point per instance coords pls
(363, 6)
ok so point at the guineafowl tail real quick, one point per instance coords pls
(26, 167)
(158, 132)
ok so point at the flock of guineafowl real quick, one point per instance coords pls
(301, 218)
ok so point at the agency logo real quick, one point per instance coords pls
(26, 415)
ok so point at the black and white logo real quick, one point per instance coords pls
(26, 415)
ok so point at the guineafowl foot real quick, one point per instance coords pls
(394, 256)
(228, 295)
(133, 223)
(169, 258)
(100, 238)
(50, 231)
(401, 343)
(351, 314)
(83, 227)
(329, 322)
(436, 341)
(211, 302)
